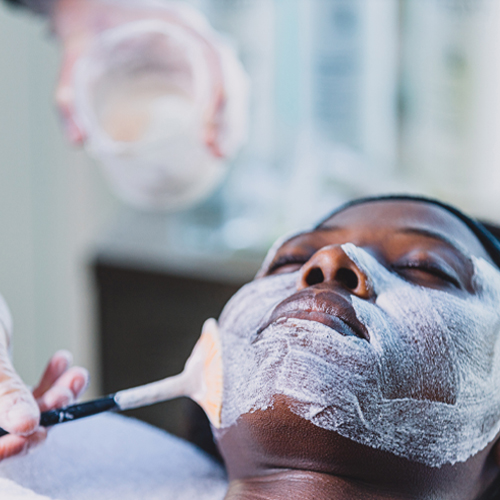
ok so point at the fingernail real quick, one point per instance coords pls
(75, 135)
(63, 361)
(77, 386)
(68, 357)
(80, 383)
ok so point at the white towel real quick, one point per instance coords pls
(9, 490)
(111, 457)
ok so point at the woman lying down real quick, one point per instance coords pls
(362, 362)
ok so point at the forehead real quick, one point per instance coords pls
(395, 215)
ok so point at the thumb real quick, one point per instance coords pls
(19, 413)
(65, 96)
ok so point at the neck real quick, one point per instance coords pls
(306, 485)
(274, 455)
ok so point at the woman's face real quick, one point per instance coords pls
(381, 326)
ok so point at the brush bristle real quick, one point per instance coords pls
(211, 400)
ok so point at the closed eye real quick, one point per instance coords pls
(287, 263)
(430, 268)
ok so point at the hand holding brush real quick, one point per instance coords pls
(201, 380)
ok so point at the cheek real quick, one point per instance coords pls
(247, 309)
(239, 323)
(417, 334)
(432, 345)
(414, 344)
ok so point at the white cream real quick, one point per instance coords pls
(145, 107)
(425, 387)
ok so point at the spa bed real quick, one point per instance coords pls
(110, 457)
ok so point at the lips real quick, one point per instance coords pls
(322, 306)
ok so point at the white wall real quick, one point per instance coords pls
(52, 204)
(53, 201)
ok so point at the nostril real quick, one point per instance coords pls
(315, 276)
(347, 278)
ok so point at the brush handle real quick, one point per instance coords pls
(74, 412)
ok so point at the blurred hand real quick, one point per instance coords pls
(20, 409)
(77, 23)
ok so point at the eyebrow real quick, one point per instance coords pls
(428, 233)
(420, 231)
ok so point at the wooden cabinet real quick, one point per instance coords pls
(150, 317)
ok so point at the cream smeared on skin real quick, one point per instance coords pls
(426, 386)
(271, 254)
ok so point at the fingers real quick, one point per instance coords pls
(74, 133)
(73, 22)
(68, 387)
(11, 444)
(78, 24)
(213, 128)
(64, 97)
(60, 385)
(58, 364)
(212, 139)
(19, 413)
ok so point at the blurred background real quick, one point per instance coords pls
(349, 98)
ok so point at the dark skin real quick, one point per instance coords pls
(275, 454)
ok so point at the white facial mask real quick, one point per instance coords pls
(426, 346)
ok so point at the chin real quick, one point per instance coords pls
(275, 439)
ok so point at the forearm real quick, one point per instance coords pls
(39, 6)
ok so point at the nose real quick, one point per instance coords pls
(331, 265)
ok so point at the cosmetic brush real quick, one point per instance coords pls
(201, 380)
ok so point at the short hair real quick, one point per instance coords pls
(487, 233)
